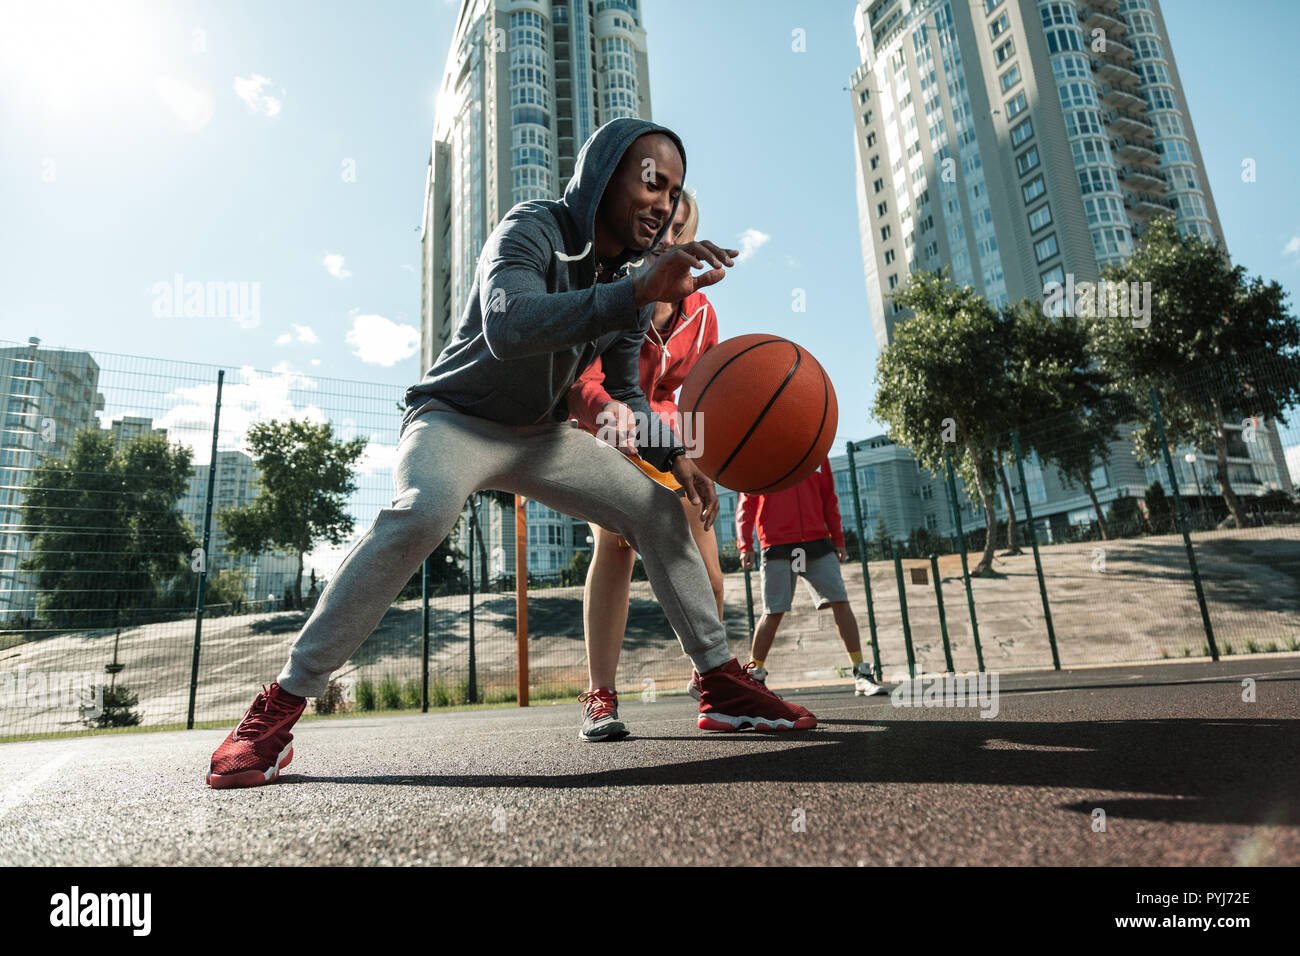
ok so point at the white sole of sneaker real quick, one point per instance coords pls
(252, 778)
(727, 723)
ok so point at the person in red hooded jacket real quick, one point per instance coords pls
(800, 534)
(678, 336)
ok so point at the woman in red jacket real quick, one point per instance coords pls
(678, 336)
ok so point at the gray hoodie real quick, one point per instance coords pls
(536, 317)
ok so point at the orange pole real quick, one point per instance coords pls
(521, 598)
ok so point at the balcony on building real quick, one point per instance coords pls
(1102, 6)
(1117, 74)
(1143, 180)
(1093, 15)
(1118, 98)
(1128, 125)
(1117, 50)
(1146, 207)
(1130, 151)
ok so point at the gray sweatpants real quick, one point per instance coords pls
(444, 456)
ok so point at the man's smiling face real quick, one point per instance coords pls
(639, 197)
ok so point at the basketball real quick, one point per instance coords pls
(763, 412)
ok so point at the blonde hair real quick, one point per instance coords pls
(692, 216)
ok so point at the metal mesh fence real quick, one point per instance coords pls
(104, 487)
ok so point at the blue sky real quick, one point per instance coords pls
(139, 142)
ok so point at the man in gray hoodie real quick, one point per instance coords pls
(558, 284)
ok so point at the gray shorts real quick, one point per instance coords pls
(821, 578)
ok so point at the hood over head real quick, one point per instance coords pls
(595, 166)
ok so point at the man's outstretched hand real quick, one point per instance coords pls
(669, 279)
(699, 488)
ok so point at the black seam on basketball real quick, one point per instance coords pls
(748, 348)
(816, 437)
(757, 421)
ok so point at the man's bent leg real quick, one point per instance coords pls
(576, 473)
(440, 462)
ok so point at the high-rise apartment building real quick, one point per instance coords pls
(266, 574)
(49, 395)
(1017, 142)
(525, 84)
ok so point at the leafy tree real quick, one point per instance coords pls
(941, 384)
(306, 477)
(106, 531)
(1208, 321)
(578, 566)
(1159, 510)
(444, 575)
(1065, 409)
(880, 537)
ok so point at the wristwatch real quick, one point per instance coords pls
(673, 455)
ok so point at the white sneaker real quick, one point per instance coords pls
(863, 683)
(758, 673)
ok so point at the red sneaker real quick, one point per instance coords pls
(261, 746)
(731, 699)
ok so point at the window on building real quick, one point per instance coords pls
(999, 26)
(1003, 53)
(1039, 218)
(1027, 160)
(1010, 78)
(1046, 248)
(1022, 133)
(882, 208)
(1033, 189)
(1017, 106)
(885, 234)
(889, 256)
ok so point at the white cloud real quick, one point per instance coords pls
(750, 241)
(408, 268)
(380, 341)
(1292, 248)
(249, 89)
(303, 333)
(333, 262)
(191, 105)
(249, 396)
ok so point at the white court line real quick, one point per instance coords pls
(14, 797)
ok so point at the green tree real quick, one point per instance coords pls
(106, 531)
(1208, 321)
(940, 384)
(306, 477)
(1065, 408)
(578, 566)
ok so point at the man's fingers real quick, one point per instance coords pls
(708, 278)
(727, 255)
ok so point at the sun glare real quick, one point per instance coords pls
(67, 56)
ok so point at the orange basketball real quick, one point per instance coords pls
(764, 413)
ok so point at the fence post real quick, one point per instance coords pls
(472, 694)
(749, 603)
(902, 606)
(1033, 540)
(943, 620)
(424, 644)
(521, 600)
(1182, 526)
(866, 571)
(965, 571)
(203, 570)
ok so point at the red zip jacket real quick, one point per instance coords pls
(665, 359)
(809, 511)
